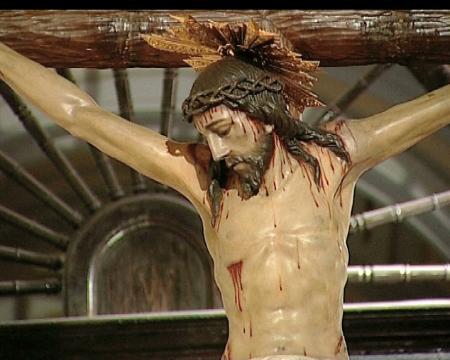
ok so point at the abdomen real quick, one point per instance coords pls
(286, 297)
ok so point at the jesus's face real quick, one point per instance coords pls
(243, 143)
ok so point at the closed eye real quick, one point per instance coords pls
(223, 130)
(221, 127)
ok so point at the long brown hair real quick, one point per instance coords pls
(261, 100)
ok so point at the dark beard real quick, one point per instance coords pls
(249, 182)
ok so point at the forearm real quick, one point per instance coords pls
(398, 128)
(141, 148)
(52, 94)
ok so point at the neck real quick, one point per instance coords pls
(280, 168)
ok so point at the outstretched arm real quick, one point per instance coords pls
(378, 137)
(174, 164)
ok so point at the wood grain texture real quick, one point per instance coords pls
(110, 38)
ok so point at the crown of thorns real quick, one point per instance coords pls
(229, 94)
(205, 43)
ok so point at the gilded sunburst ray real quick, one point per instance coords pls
(206, 43)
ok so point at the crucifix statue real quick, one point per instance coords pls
(274, 193)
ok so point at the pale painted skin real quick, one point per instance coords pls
(292, 251)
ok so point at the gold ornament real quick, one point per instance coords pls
(207, 43)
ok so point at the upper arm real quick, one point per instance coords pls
(181, 166)
(371, 140)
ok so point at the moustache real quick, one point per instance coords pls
(232, 161)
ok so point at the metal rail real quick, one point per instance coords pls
(23, 256)
(334, 109)
(126, 111)
(397, 212)
(57, 157)
(168, 101)
(17, 173)
(50, 236)
(21, 287)
(398, 273)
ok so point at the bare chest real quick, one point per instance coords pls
(297, 210)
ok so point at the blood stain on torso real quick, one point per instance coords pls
(235, 270)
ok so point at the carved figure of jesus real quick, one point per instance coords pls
(275, 207)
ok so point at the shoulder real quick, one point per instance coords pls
(344, 129)
(197, 153)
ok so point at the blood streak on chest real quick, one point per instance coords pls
(323, 176)
(331, 162)
(305, 171)
(235, 270)
(283, 163)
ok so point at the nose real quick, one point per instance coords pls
(218, 149)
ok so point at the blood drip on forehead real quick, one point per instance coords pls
(201, 121)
